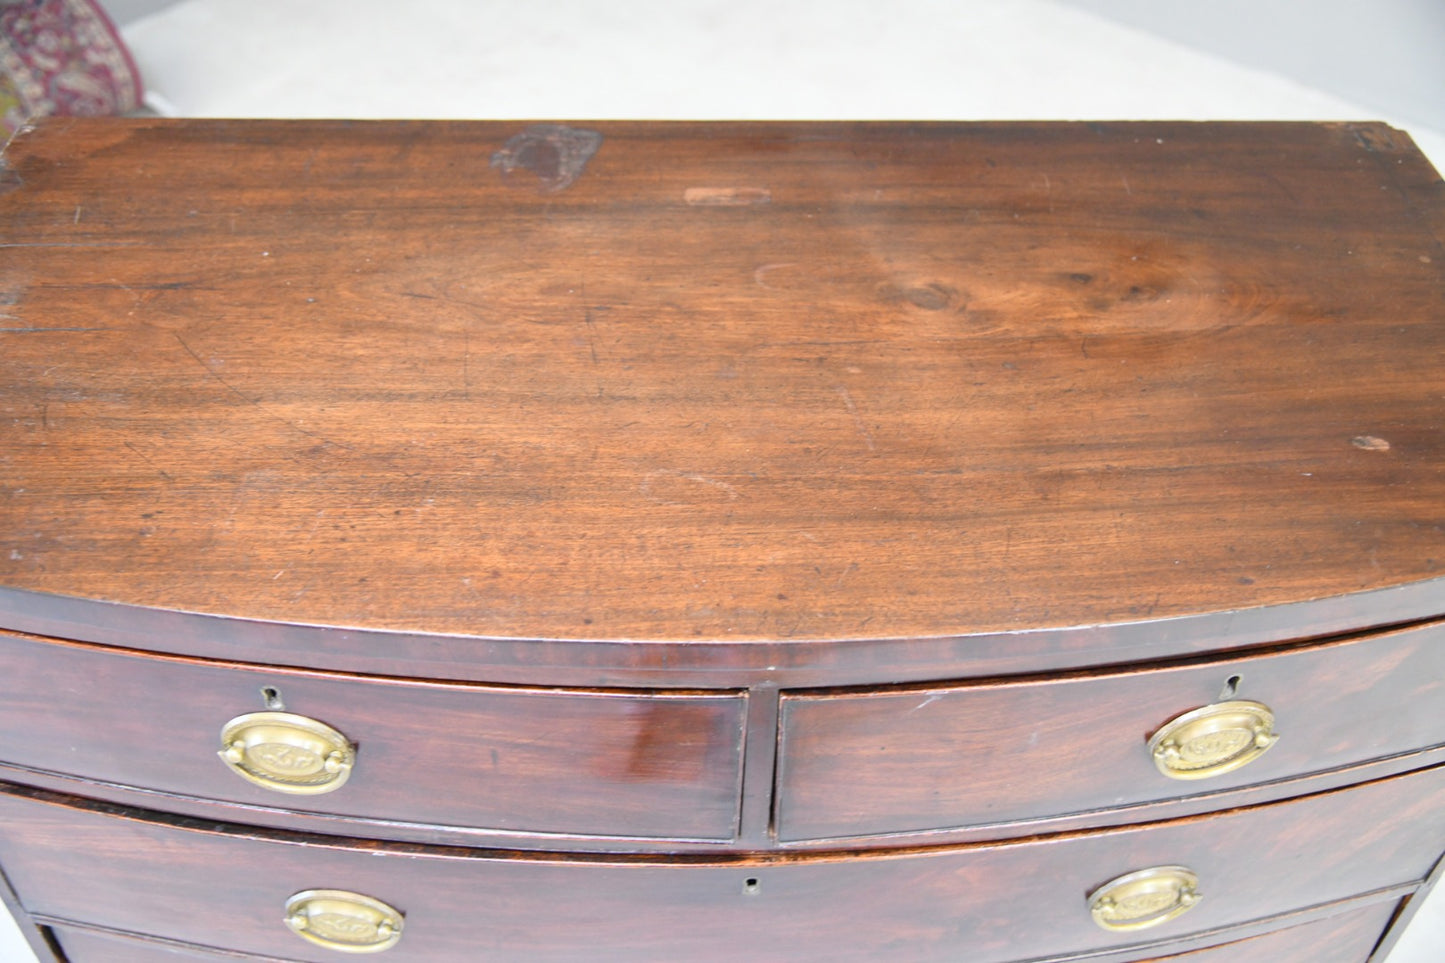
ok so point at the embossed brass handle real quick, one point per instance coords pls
(1148, 897)
(1213, 740)
(348, 922)
(287, 753)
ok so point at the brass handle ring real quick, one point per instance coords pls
(1213, 740)
(287, 753)
(343, 921)
(1148, 897)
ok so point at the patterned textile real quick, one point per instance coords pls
(62, 57)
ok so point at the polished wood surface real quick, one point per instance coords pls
(852, 763)
(772, 541)
(726, 382)
(758, 833)
(994, 902)
(91, 946)
(1345, 938)
(608, 763)
(441, 762)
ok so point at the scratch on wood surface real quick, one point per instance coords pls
(45, 330)
(722, 485)
(1277, 181)
(315, 525)
(467, 359)
(68, 244)
(591, 326)
(727, 196)
(207, 368)
(926, 702)
(857, 418)
(661, 486)
(145, 458)
(252, 401)
(760, 275)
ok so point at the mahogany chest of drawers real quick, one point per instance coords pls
(504, 541)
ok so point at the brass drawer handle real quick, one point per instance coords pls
(287, 753)
(347, 922)
(1213, 740)
(1148, 897)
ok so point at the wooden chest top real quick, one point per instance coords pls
(723, 382)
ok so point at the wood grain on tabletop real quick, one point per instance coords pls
(719, 381)
(994, 902)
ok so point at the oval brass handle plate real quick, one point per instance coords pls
(347, 922)
(1148, 897)
(287, 753)
(1213, 740)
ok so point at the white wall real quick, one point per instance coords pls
(1388, 55)
(126, 11)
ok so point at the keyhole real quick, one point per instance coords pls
(271, 696)
(751, 886)
(1231, 686)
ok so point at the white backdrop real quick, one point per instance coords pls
(697, 59)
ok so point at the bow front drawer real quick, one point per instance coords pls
(582, 762)
(874, 762)
(1345, 938)
(236, 888)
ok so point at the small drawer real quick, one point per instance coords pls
(918, 759)
(575, 762)
(210, 884)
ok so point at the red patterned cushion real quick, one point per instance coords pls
(62, 57)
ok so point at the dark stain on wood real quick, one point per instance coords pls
(556, 153)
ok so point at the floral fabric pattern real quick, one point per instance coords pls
(62, 57)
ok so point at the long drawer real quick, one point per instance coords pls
(1347, 937)
(225, 886)
(580, 762)
(876, 762)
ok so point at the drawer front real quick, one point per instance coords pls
(872, 763)
(92, 946)
(208, 884)
(1347, 938)
(570, 762)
